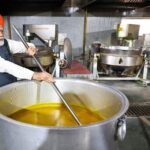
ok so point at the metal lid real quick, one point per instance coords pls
(68, 50)
(120, 50)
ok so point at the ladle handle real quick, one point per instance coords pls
(66, 104)
(53, 84)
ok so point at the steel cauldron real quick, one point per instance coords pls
(102, 135)
(121, 59)
(44, 55)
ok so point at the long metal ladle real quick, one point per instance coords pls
(53, 84)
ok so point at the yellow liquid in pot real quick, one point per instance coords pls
(55, 114)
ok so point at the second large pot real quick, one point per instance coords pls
(45, 57)
(102, 135)
(121, 56)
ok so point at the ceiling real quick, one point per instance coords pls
(124, 8)
(95, 7)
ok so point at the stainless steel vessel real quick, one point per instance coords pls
(103, 135)
(121, 56)
(45, 57)
(120, 59)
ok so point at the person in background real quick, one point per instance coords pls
(9, 71)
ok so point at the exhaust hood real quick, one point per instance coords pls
(95, 7)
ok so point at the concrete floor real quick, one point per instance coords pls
(138, 133)
(137, 137)
(135, 91)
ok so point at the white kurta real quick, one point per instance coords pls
(13, 69)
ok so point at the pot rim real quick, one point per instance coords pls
(124, 101)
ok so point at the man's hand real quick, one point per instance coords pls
(43, 76)
(31, 51)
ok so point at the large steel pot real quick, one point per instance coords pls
(120, 60)
(45, 57)
(121, 56)
(103, 135)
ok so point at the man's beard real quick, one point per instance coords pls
(1, 42)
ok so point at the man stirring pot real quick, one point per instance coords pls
(9, 71)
